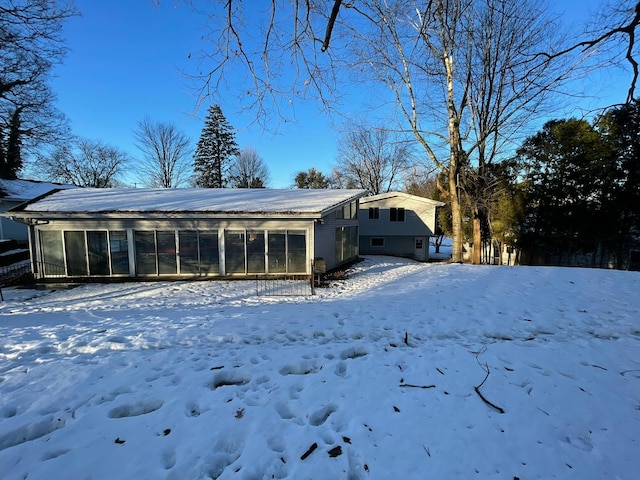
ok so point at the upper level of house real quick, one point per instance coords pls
(397, 213)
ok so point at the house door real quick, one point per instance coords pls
(420, 251)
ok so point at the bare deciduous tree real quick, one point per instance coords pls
(166, 154)
(433, 57)
(87, 164)
(506, 90)
(31, 43)
(373, 159)
(248, 170)
(613, 31)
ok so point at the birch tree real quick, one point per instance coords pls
(456, 75)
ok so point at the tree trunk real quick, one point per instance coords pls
(456, 212)
(455, 160)
(476, 251)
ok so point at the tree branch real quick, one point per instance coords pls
(629, 30)
(330, 23)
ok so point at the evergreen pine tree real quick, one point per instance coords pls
(215, 150)
(10, 147)
(3, 155)
(14, 147)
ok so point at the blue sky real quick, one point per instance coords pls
(127, 59)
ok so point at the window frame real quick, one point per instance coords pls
(397, 214)
(375, 244)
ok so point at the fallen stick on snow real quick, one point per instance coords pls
(309, 451)
(477, 389)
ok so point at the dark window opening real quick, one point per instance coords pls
(396, 214)
(377, 242)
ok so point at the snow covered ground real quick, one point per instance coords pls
(380, 376)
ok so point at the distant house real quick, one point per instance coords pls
(397, 223)
(160, 233)
(12, 194)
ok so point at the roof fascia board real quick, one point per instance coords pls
(158, 215)
(407, 196)
(360, 194)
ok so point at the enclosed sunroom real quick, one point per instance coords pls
(161, 233)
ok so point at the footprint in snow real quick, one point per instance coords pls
(30, 431)
(341, 369)
(320, 416)
(111, 396)
(225, 453)
(192, 409)
(142, 407)
(8, 411)
(168, 458)
(229, 378)
(302, 368)
(283, 410)
(354, 352)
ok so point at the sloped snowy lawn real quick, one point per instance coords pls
(373, 378)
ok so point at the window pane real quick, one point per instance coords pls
(339, 240)
(98, 253)
(119, 252)
(353, 242)
(75, 249)
(209, 256)
(145, 253)
(396, 214)
(255, 251)
(234, 251)
(52, 255)
(277, 252)
(188, 252)
(167, 263)
(297, 244)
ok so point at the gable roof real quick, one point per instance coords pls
(401, 195)
(23, 190)
(188, 200)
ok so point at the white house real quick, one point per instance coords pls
(397, 223)
(160, 233)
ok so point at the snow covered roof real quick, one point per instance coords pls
(406, 196)
(190, 200)
(23, 190)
